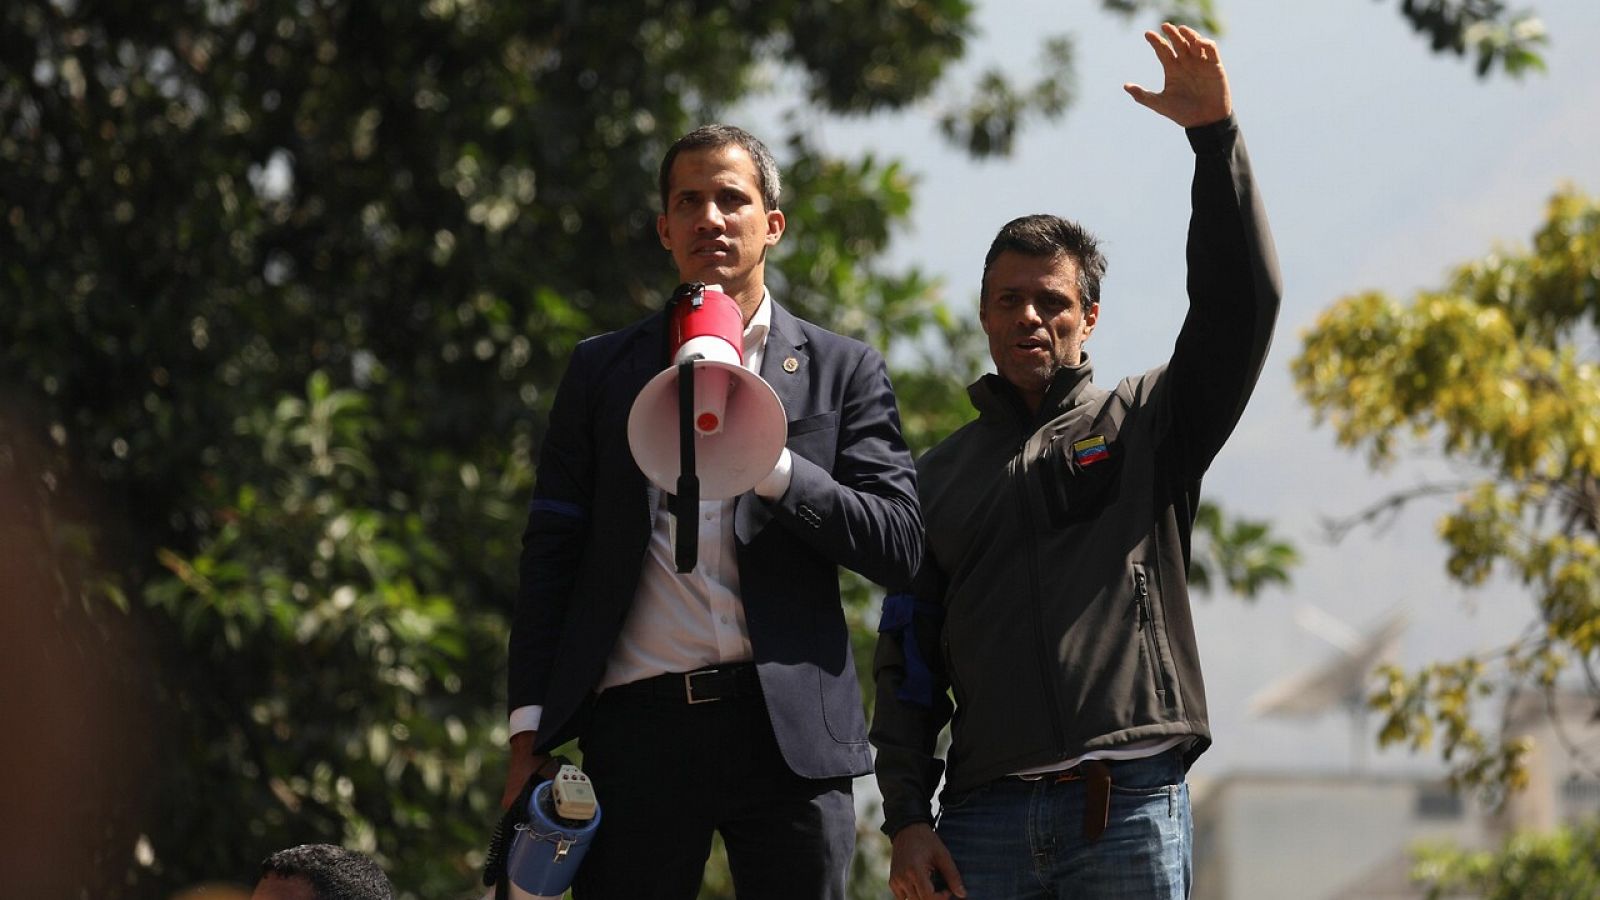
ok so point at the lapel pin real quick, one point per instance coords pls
(790, 365)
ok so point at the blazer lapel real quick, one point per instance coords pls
(645, 359)
(786, 361)
(786, 365)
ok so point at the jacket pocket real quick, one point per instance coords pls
(815, 438)
(1080, 478)
(1156, 666)
(817, 422)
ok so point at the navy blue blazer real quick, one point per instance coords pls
(852, 501)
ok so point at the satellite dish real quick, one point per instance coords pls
(1340, 682)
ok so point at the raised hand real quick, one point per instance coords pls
(1195, 91)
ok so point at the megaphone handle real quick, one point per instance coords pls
(687, 502)
(495, 874)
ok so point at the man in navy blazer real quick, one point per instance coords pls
(724, 699)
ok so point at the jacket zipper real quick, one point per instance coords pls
(1047, 674)
(947, 657)
(1147, 629)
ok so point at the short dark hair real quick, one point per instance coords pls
(710, 137)
(1044, 236)
(334, 872)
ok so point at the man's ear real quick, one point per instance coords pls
(661, 231)
(1090, 318)
(776, 223)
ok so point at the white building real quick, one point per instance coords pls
(1348, 836)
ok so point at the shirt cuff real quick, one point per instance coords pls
(526, 718)
(776, 483)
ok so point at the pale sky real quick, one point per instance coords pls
(1381, 166)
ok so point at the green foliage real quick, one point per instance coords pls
(1561, 865)
(1197, 14)
(327, 688)
(1243, 554)
(1437, 703)
(863, 57)
(986, 124)
(1492, 369)
(1485, 28)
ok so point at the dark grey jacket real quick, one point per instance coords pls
(1053, 594)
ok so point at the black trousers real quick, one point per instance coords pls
(668, 773)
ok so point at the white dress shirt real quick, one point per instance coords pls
(681, 622)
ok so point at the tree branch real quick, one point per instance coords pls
(1384, 512)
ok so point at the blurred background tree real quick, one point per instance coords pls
(285, 286)
(1561, 865)
(1497, 369)
(1242, 555)
(1488, 30)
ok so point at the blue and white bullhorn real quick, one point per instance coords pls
(550, 845)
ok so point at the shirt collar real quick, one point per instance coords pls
(755, 334)
(992, 394)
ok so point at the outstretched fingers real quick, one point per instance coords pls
(1165, 52)
(1185, 44)
(1195, 88)
(1181, 37)
(1199, 46)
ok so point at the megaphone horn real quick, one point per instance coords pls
(735, 428)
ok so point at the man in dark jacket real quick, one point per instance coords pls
(1052, 597)
(723, 699)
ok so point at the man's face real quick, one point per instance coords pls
(1033, 313)
(716, 224)
(276, 887)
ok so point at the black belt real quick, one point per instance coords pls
(706, 685)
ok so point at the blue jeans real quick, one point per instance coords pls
(1014, 839)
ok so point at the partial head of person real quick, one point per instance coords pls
(321, 872)
(1040, 300)
(719, 210)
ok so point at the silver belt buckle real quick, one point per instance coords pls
(688, 686)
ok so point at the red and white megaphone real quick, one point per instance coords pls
(714, 435)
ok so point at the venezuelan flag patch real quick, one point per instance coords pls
(1090, 450)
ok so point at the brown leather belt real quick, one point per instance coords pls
(707, 685)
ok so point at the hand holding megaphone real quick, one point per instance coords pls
(552, 825)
